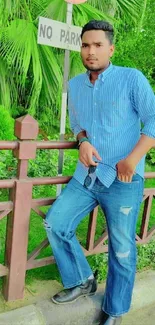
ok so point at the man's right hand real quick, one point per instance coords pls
(86, 153)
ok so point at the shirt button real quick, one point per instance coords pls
(95, 104)
(94, 137)
(96, 88)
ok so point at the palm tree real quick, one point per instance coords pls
(31, 74)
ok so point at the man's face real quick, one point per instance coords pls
(96, 50)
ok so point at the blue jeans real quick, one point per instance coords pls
(120, 203)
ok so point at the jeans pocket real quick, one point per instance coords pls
(134, 181)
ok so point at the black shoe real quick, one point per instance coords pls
(109, 320)
(69, 295)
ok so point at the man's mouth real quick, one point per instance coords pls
(91, 59)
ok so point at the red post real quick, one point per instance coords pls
(26, 128)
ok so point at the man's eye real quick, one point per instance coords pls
(84, 45)
(98, 45)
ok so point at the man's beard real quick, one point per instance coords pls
(94, 69)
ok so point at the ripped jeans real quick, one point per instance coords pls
(120, 203)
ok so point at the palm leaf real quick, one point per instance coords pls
(143, 15)
(22, 51)
(76, 65)
(54, 9)
(83, 13)
(98, 4)
(130, 9)
(14, 9)
(8, 91)
(52, 77)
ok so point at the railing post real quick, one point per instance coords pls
(26, 128)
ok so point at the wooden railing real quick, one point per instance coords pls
(18, 209)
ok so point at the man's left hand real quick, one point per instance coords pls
(125, 170)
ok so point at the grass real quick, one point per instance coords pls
(37, 233)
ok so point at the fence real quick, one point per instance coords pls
(20, 203)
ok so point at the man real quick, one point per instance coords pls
(106, 105)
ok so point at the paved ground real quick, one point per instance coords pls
(145, 316)
(38, 309)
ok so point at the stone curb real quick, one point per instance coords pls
(85, 311)
(29, 315)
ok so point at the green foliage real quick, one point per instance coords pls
(146, 256)
(7, 86)
(135, 47)
(129, 9)
(146, 259)
(151, 156)
(6, 133)
(99, 262)
(8, 165)
(6, 125)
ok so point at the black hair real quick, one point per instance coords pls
(100, 25)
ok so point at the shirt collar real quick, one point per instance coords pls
(101, 76)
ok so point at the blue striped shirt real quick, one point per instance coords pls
(111, 112)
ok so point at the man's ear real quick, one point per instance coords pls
(112, 49)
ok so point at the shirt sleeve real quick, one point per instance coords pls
(75, 127)
(144, 103)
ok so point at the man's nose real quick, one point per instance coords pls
(92, 50)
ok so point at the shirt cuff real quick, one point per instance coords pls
(76, 130)
(148, 133)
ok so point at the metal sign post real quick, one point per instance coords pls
(64, 99)
(64, 94)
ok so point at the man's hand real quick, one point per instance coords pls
(125, 170)
(86, 153)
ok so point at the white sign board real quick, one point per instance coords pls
(58, 34)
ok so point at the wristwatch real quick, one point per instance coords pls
(82, 140)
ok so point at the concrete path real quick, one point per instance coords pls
(145, 316)
(86, 311)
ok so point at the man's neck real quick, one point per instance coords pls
(94, 74)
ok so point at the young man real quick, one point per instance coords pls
(106, 105)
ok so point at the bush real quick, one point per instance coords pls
(146, 260)
(151, 156)
(6, 125)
